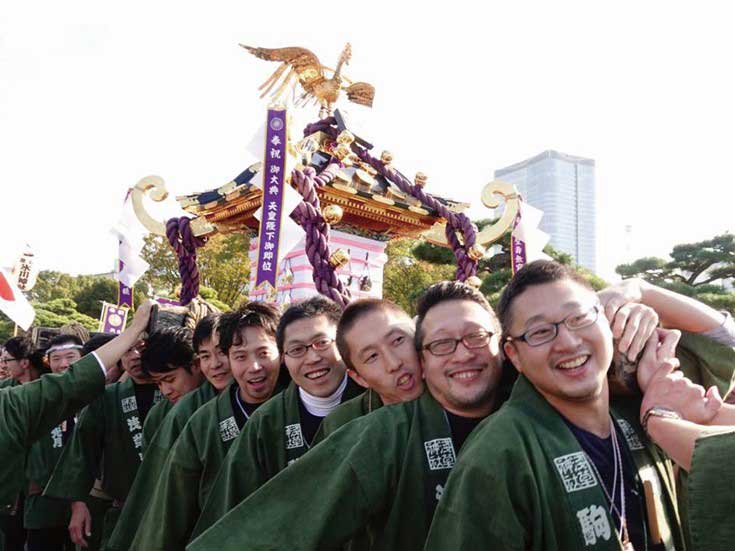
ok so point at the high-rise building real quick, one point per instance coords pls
(563, 186)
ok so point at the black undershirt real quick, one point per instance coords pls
(600, 451)
(144, 399)
(240, 418)
(461, 427)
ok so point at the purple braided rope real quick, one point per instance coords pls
(308, 215)
(466, 267)
(185, 243)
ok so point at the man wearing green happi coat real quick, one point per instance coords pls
(107, 441)
(383, 474)
(248, 337)
(561, 465)
(215, 368)
(30, 411)
(283, 429)
(697, 430)
(383, 360)
(45, 519)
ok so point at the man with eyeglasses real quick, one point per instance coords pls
(282, 430)
(384, 473)
(562, 465)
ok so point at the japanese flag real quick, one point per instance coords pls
(13, 304)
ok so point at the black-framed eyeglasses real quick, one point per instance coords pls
(547, 332)
(8, 360)
(471, 341)
(300, 350)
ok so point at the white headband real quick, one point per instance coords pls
(68, 346)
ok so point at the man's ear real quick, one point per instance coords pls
(512, 354)
(25, 364)
(357, 378)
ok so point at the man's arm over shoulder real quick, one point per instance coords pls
(30, 411)
(333, 491)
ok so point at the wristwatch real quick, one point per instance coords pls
(658, 411)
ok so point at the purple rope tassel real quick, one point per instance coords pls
(181, 238)
(308, 215)
(456, 222)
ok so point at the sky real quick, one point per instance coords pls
(95, 95)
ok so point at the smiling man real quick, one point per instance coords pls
(106, 445)
(383, 474)
(248, 337)
(559, 466)
(215, 366)
(383, 361)
(282, 430)
(46, 519)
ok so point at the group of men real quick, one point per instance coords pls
(318, 428)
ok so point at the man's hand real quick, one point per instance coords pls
(672, 390)
(660, 350)
(142, 315)
(80, 525)
(632, 323)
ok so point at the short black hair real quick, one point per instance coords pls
(19, 348)
(95, 341)
(167, 349)
(445, 291)
(354, 312)
(537, 272)
(204, 330)
(250, 314)
(310, 308)
(64, 339)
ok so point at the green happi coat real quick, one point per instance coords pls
(706, 362)
(8, 383)
(710, 493)
(365, 403)
(188, 476)
(154, 420)
(270, 441)
(383, 472)
(107, 445)
(524, 483)
(154, 459)
(29, 412)
(40, 511)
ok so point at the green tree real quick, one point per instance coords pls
(223, 265)
(697, 270)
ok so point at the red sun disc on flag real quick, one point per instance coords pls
(6, 293)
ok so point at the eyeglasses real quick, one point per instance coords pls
(301, 349)
(7, 360)
(548, 331)
(471, 341)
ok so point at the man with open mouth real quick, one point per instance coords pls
(562, 465)
(215, 367)
(376, 341)
(382, 474)
(108, 439)
(283, 429)
(247, 337)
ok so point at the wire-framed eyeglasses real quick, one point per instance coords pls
(547, 332)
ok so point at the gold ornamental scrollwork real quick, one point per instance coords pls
(155, 189)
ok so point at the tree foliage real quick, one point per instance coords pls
(224, 267)
(697, 270)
